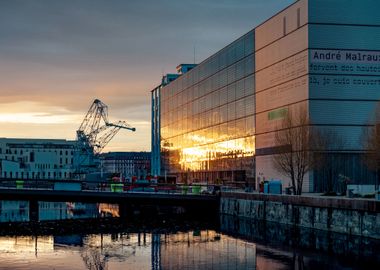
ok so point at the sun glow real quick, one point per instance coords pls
(35, 113)
(198, 158)
(36, 118)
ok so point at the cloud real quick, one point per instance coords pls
(64, 54)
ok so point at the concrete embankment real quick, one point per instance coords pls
(350, 216)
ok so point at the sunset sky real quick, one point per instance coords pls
(57, 56)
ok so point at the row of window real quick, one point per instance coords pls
(51, 166)
(21, 152)
(214, 99)
(232, 155)
(228, 112)
(237, 50)
(222, 78)
(36, 175)
(217, 133)
(41, 166)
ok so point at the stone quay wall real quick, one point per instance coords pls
(342, 215)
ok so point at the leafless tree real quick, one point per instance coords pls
(297, 141)
(94, 259)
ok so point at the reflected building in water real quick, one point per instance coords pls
(205, 250)
(14, 211)
(18, 211)
(190, 250)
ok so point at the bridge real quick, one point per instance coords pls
(202, 204)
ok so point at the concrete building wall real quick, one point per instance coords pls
(344, 78)
(281, 81)
(321, 55)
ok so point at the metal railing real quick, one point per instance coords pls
(109, 186)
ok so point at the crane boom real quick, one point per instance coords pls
(93, 135)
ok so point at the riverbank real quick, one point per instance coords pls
(358, 217)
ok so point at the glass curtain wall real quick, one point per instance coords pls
(207, 118)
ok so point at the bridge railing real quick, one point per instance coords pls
(76, 185)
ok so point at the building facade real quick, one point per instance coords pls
(127, 164)
(156, 131)
(218, 121)
(207, 118)
(323, 56)
(36, 159)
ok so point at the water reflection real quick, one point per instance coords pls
(66, 210)
(13, 211)
(182, 250)
(18, 211)
(153, 243)
(285, 247)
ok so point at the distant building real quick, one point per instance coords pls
(36, 159)
(218, 120)
(128, 164)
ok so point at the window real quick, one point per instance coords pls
(284, 26)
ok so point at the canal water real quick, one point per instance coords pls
(91, 236)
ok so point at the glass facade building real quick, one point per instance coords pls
(218, 121)
(207, 118)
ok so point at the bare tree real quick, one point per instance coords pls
(94, 259)
(297, 141)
